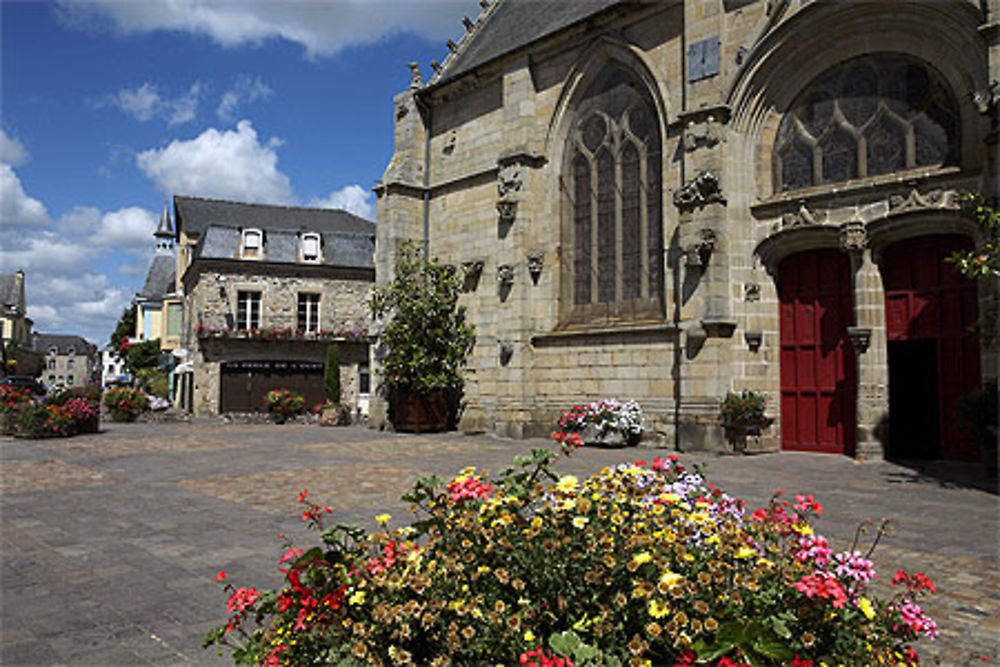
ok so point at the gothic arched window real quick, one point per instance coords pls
(870, 115)
(612, 183)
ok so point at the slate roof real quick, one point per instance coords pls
(510, 24)
(160, 278)
(10, 295)
(194, 215)
(43, 342)
(339, 248)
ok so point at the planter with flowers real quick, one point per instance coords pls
(125, 404)
(642, 563)
(743, 416)
(283, 403)
(608, 422)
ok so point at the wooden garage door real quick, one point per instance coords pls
(245, 383)
(931, 312)
(817, 361)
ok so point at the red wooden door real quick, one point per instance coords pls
(818, 384)
(927, 300)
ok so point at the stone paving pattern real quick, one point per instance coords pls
(110, 541)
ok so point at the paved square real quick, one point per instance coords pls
(110, 541)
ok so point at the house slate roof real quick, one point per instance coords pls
(43, 342)
(10, 295)
(194, 215)
(339, 248)
(511, 24)
(160, 278)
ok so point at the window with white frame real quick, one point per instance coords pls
(311, 247)
(308, 312)
(253, 243)
(247, 310)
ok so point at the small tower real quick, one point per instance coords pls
(165, 232)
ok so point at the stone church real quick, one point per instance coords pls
(666, 201)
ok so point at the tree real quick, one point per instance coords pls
(142, 355)
(23, 361)
(125, 327)
(984, 261)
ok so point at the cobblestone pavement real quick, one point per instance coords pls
(110, 541)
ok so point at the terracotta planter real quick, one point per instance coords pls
(420, 413)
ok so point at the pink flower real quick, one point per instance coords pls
(914, 616)
(813, 548)
(823, 585)
(242, 599)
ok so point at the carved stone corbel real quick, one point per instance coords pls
(507, 209)
(703, 189)
(801, 217)
(853, 236)
(535, 266)
(704, 134)
(509, 179)
(699, 253)
(915, 201)
(505, 275)
(471, 271)
(861, 338)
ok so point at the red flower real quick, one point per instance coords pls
(221, 575)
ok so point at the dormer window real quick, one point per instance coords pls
(310, 247)
(253, 243)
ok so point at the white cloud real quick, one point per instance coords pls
(12, 151)
(45, 253)
(146, 103)
(16, 207)
(352, 198)
(230, 164)
(321, 28)
(245, 90)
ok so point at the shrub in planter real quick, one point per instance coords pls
(607, 421)
(284, 403)
(743, 409)
(426, 338)
(125, 404)
(643, 563)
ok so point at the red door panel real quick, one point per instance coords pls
(926, 299)
(817, 361)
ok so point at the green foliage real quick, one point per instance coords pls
(984, 261)
(153, 381)
(125, 327)
(746, 407)
(331, 373)
(426, 337)
(142, 355)
(90, 392)
(25, 361)
(283, 403)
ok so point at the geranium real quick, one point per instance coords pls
(744, 408)
(125, 404)
(284, 403)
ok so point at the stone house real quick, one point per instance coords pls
(70, 361)
(159, 304)
(266, 290)
(16, 326)
(669, 201)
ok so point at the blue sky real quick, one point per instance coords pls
(110, 107)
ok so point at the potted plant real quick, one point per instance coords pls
(283, 403)
(742, 415)
(607, 422)
(424, 343)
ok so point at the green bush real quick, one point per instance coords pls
(284, 403)
(153, 381)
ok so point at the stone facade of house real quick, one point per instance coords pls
(266, 290)
(669, 201)
(70, 361)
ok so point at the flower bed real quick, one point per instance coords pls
(644, 563)
(608, 421)
(61, 415)
(125, 404)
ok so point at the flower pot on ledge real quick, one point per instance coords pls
(591, 435)
(737, 432)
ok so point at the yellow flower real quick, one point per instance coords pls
(745, 552)
(641, 558)
(670, 578)
(529, 636)
(658, 608)
(383, 518)
(580, 521)
(803, 529)
(358, 597)
(567, 483)
(714, 539)
(865, 605)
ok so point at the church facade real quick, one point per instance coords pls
(668, 201)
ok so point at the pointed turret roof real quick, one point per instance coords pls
(166, 228)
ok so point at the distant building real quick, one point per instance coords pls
(13, 309)
(70, 361)
(158, 304)
(266, 290)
